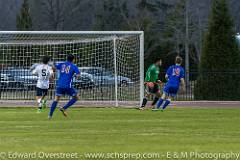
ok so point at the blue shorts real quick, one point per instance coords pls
(170, 90)
(66, 91)
(41, 92)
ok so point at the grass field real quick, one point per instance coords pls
(91, 130)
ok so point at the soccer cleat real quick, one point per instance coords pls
(141, 108)
(63, 111)
(44, 104)
(151, 107)
(156, 109)
(49, 117)
(39, 110)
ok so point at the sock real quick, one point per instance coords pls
(160, 102)
(144, 102)
(39, 100)
(53, 107)
(70, 103)
(155, 101)
(166, 103)
(39, 105)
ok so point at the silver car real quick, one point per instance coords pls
(101, 76)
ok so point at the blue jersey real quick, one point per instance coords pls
(175, 73)
(66, 73)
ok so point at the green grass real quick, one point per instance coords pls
(88, 130)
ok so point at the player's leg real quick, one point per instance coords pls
(59, 93)
(39, 99)
(167, 102)
(148, 91)
(44, 101)
(172, 94)
(163, 97)
(144, 101)
(157, 95)
(160, 101)
(53, 106)
(72, 92)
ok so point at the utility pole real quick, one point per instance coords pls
(187, 42)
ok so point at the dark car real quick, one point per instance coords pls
(8, 82)
(4, 81)
(84, 82)
(101, 76)
(23, 78)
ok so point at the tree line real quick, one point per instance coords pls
(171, 28)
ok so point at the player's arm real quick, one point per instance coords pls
(33, 67)
(182, 81)
(57, 66)
(52, 76)
(183, 84)
(34, 71)
(168, 73)
(148, 75)
(166, 77)
(77, 73)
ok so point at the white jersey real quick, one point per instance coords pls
(44, 73)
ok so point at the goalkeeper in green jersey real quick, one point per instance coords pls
(152, 83)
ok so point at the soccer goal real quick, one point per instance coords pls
(111, 63)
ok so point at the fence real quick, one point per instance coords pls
(18, 84)
(212, 86)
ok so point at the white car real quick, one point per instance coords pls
(101, 76)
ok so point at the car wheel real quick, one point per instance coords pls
(124, 83)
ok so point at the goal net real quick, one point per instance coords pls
(111, 64)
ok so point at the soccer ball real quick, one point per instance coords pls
(150, 84)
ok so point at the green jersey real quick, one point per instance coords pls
(152, 73)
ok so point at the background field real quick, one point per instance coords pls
(89, 130)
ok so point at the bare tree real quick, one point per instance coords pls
(146, 18)
(56, 14)
(185, 26)
(9, 10)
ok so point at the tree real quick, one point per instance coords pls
(59, 14)
(53, 10)
(24, 20)
(220, 59)
(149, 17)
(183, 29)
(9, 8)
(111, 15)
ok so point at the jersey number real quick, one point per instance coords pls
(44, 72)
(65, 69)
(176, 72)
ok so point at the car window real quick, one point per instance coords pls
(107, 73)
(19, 72)
(93, 71)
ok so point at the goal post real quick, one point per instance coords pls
(111, 64)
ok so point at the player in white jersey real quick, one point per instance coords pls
(45, 73)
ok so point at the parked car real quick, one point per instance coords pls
(8, 82)
(84, 82)
(4, 81)
(101, 76)
(23, 78)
